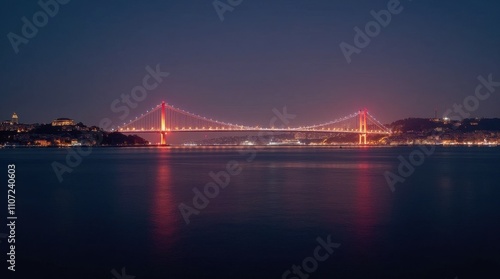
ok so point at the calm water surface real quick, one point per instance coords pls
(120, 208)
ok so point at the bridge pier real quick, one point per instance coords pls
(163, 138)
(362, 126)
(163, 134)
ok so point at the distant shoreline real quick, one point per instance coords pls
(347, 146)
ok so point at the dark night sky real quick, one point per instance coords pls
(264, 55)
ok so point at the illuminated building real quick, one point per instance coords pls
(15, 119)
(63, 122)
(42, 142)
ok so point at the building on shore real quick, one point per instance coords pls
(63, 122)
(15, 119)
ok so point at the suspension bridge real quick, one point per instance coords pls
(165, 118)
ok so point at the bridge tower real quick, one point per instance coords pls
(163, 134)
(362, 126)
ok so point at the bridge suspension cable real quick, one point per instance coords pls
(166, 118)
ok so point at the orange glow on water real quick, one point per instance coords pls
(164, 217)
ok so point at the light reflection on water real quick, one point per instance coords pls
(164, 216)
(124, 202)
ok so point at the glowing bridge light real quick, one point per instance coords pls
(182, 116)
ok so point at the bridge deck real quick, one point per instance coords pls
(297, 130)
